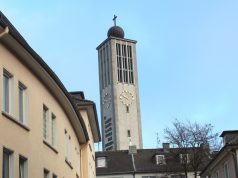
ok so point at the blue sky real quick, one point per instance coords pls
(187, 53)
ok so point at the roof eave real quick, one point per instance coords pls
(92, 113)
(121, 39)
(223, 152)
(16, 36)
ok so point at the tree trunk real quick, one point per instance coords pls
(195, 174)
(186, 173)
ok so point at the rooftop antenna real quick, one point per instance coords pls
(129, 137)
(157, 140)
(115, 20)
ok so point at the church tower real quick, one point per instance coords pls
(119, 96)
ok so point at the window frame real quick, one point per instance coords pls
(25, 166)
(8, 106)
(46, 173)
(101, 164)
(68, 151)
(53, 130)
(45, 122)
(10, 163)
(160, 161)
(182, 156)
(22, 103)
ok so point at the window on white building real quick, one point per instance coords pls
(160, 159)
(7, 164)
(22, 102)
(184, 158)
(45, 122)
(22, 167)
(54, 176)
(101, 162)
(7, 92)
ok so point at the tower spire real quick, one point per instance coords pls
(119, 95)
(115, 20)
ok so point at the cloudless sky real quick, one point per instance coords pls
(187, 53)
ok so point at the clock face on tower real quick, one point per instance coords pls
(107, 100)
(126, 98)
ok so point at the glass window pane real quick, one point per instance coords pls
(53, 130)
(21, 104)
(45, 122)
(101, 162)
(6, 93)
(22, 167)
(6, 163)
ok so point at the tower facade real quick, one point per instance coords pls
(119, 95)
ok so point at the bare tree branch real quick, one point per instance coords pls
(196, 139)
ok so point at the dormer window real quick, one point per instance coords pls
(101, 162)
(160, 159)
(184, 158)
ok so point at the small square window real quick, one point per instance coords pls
(184, 158)
(127, 109)
(101, 162)
(160, 159)
(128, 133)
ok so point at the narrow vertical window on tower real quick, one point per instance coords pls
(119, 62)
(125, 69)
(102, 69)
(108, 66)
(130, 65)
(105, 68)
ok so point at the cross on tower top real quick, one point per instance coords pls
(115, 20)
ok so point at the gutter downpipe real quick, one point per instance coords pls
(4, 32)
(134, 167)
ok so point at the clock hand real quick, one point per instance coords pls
(125, 97)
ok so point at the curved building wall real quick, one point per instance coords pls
(27, 140)
(88, 150)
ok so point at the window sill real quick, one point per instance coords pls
(69, 163)
(11, 118)
(50, 146)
